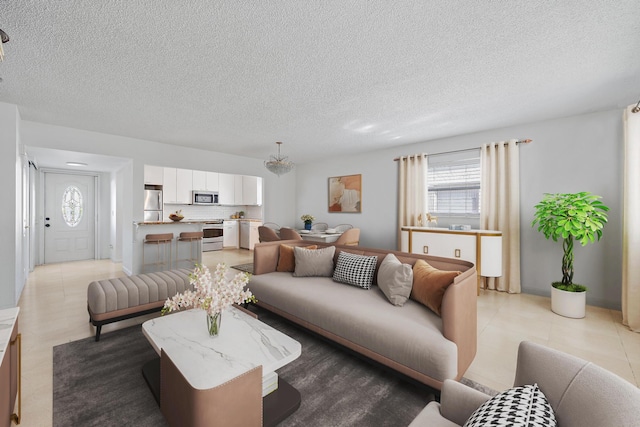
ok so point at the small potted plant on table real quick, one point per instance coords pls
(308, 220)
(570, 217)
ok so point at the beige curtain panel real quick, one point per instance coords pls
(500, 208)
(631, 222)
(412, 190)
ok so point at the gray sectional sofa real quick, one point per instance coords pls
(410, 339)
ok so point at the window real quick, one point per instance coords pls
(72, 206)
(454, 186)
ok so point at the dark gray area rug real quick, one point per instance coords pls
(247, 268)
(101, 384)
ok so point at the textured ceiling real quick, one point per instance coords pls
(324, 77)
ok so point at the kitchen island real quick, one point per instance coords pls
(178, 250)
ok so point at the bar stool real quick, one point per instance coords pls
(163, 243)
(193, 238)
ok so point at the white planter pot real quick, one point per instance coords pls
(568, 304)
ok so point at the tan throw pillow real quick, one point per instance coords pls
(287, 259)
(395, 280)
(429, 284)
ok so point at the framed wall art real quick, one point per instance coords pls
(345, 193)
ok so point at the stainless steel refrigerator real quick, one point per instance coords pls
(152, 205)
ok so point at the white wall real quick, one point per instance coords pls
(11, 227)
(581, 153)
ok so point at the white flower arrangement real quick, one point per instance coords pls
(307, 218)
(214, 293)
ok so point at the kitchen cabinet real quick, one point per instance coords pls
(9, 377)
(212, 182)
(238, 199)
(169, 185)
(203, 180)
(226, 191)
(249, 234)
(199, 180)
(231, 238)
(153, 175)
(177, 185)
(251, 190)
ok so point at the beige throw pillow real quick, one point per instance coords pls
(286, 259)
(317, 262)
(395, 280)
(429, 284)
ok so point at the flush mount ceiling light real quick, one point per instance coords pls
(79, 164)
(279, 164)
(5, 38)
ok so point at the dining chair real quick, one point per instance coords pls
(266, 234)
(319, 227)
(341, 228)
(289, 234)
(350, 237)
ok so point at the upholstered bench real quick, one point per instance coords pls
(113, 300)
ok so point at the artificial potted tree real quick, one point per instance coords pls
(570, 217)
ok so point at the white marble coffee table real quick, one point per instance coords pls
(244, 342)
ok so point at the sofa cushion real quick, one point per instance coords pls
(429, 284)
(287, 259)
(524, 406)
(395, 280)
(317, 262)
(356, 270)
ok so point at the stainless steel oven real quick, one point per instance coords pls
(213, 236)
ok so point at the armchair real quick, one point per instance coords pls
(581, 394)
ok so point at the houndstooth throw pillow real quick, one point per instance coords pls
(524, 406)
(355, 270)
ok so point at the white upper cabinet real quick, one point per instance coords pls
(184, 185)
(153, 175)
(251, 190)
(169, 185)
(177, 185)
(226, 189)
(237, 190)
(207, 181)
(213, 181)
(199, 180)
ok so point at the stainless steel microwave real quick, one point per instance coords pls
(204, 197)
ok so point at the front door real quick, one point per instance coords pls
(69, 217)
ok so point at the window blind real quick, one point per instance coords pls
(454, 187)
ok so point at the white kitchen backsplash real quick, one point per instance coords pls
(213, 212)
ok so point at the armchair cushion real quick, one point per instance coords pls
(524, 406)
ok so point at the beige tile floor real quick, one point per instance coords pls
(53, 312)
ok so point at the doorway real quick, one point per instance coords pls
(69, 217)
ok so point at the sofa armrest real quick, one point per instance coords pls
(460, 317)
(457, 401)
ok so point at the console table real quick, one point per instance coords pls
(481, 247)
(238, 365)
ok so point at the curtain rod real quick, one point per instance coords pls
(521, 141)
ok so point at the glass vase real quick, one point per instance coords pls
(213, 324)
